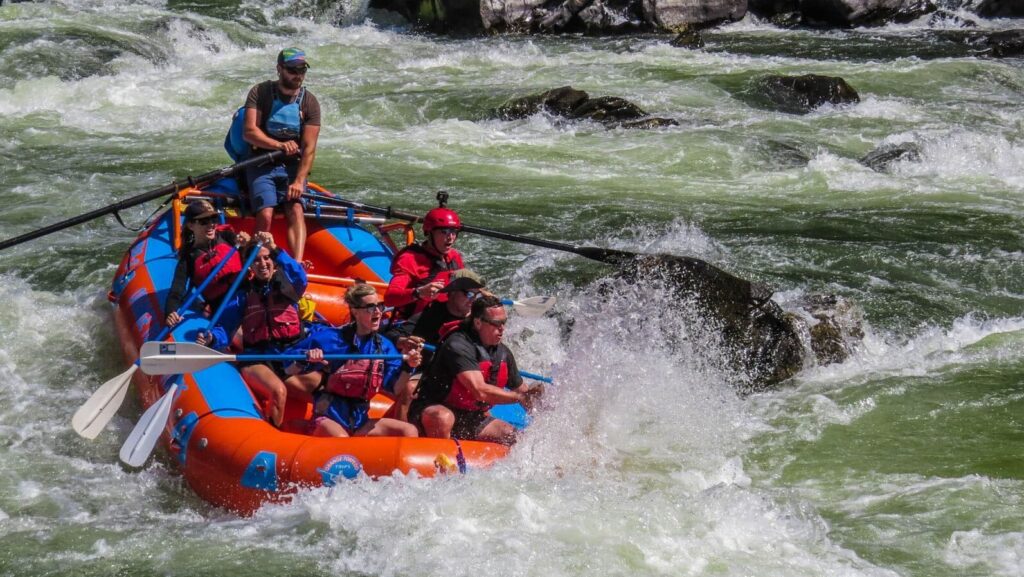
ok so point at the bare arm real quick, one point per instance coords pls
(474, 381)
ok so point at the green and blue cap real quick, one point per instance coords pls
(292, 58)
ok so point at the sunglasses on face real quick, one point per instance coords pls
(494, 322)
(206, 221)
(378, 306)
(296, 71)
(472, 294)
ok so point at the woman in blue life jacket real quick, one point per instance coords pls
(282, 115)
(204, 244)
(266, 309)
(342, 389)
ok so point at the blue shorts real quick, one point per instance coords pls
(268, 184)
(347, 412)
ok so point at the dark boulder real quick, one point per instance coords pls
(1001, 9)
(853, 13)
(677, 15)
(761, 340)
(802, 94)
(883, 157)
(573, 104)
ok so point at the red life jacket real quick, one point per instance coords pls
(359, 379)
(437, 269)
(205, 260)
(495, 371)
(270, 317)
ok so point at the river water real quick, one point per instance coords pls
(904, 460)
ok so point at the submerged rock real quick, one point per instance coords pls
(567, 102)
(688, 39)
(802, 94)
(883, 157)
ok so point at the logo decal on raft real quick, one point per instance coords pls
(344, 466)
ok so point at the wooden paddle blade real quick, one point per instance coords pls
(92, 417)
(140, 442)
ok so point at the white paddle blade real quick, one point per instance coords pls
(159, 358)
(140, 442)
(534, 306)
(92, 417)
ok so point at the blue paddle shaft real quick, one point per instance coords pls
(298, 357)
(196, 292)
(234, 287)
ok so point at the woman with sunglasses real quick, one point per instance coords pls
(343, 389)
(204, 244)
(420, 271)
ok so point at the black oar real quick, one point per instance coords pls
(145, 197)
(606, 255)
(729, 294)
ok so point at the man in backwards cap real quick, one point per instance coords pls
(428, 325)
(282, 115)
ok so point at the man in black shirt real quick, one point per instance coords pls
(472, 371)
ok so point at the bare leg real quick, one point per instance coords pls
(387, 428)
(498, 431)
(438, 421)
(404, 390)
(304, 384)
(266, 384)
(296, 229)
(328, 428)
(263, 219)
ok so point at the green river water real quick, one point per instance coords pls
(904, 460)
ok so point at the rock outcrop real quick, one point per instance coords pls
(555, 16)
(573, 104)
(801, 94)
(761, 340)
(1001, 9)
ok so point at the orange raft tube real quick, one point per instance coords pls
(216, 434)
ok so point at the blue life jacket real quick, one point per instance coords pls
(283, 122)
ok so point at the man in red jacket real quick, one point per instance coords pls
(421, 270)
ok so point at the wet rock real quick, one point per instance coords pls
(688, 39)
(882, 158)
(567, 102)
(832, 324)
(782, 154)
(759, 339)
(1006, 43)
(947, 18)
(802, 94)
(675, 15)
(853, 13)
(1001, 9)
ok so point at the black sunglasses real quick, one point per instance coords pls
(378, 306)
(297, 70)
(206, 221)
(494, 322)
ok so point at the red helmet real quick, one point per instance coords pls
(441, 218)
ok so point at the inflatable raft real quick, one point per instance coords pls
(216, 434)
